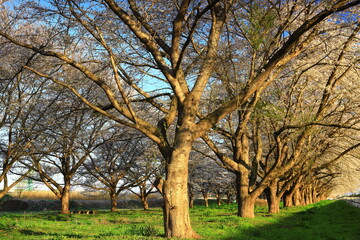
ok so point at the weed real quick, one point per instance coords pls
(148, 230)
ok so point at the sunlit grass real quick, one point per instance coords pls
(324, 220)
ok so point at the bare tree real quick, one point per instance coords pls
(147, 170)
(69, 134)
(109, 167)
(175, 44)
(269, 135)
(17, 93)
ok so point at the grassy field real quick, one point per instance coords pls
(328, 220)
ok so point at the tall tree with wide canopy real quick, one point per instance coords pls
(129, 49)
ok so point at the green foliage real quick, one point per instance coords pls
(269, 110)
(258, 24)
(324, 220)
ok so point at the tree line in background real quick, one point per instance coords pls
(243, 98)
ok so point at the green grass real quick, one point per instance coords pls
(328, 220)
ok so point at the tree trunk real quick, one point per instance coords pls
(288, 199)
(5, 189)
(175, 192)
(246, 207)
(228, 198)
(206, 199)
(246, 203)
(65, 199)
(113, 200)
(314, 195)
(307, 196)
(218, 199)
(2, 193)
(297, 198)
(191, 200)
(272, 198)
(191, 195)
(145, 202)
(274, 205)
(303, 197)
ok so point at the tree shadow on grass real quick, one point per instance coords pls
(27, 232)
(327, 220)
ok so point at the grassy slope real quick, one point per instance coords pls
(324, 220)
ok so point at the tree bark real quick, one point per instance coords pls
(314, 195)
(218, 199)
(175, 192)
(302, 197)
(288, 199)
(145, 202)
(273, 204)
(65, 199)
(246, 207)
(206, 199)
(2, 193)
(297, 197)
(191, 200)
(308, 195)
(246, 203)
(191, 203)
(272, 198)
(113, 200)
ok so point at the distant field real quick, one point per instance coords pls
(74, 195)
(48, 195)
(328, 220)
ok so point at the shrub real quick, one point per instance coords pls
(13, 205)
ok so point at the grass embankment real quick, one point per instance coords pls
(324, 220)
